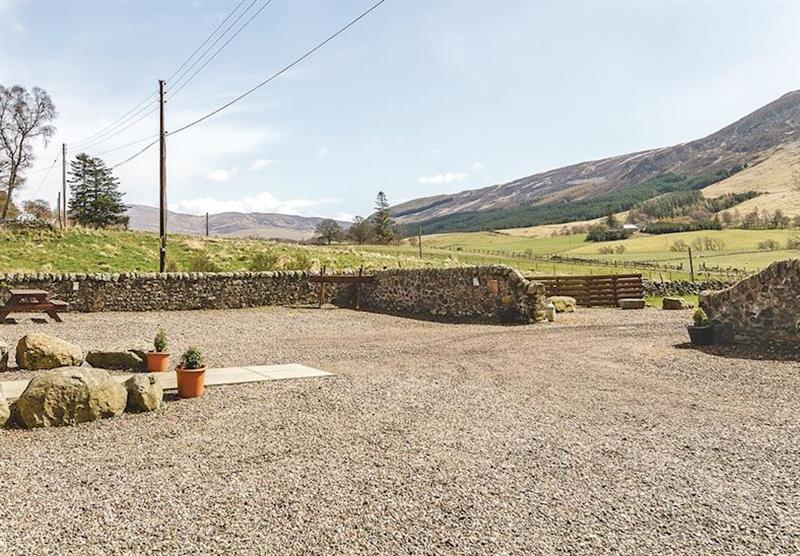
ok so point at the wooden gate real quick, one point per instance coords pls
(594, 290)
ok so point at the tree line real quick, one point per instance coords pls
(26, 118)
(380, 228)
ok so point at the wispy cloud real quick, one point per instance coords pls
(222, 175)
(261, 202)
(322, 153)
(260, 164)
(447, 177)
(450, 177)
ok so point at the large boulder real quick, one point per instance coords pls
(3, 355)
(5, 410)
(675, 303)
(117, 358)
(69, 396)
(41, 351)
(563, 303)
(145, 393)
(632, 303)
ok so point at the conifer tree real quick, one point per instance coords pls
(384, 225)
(95, 200)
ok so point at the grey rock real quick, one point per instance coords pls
(3, 355)
(42, 351)
(5, 410)
(145, 393)
(675, 303)
(632, 303)
(117, 358)
(70, 395)
(563, 303)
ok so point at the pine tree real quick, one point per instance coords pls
(384, 225)
(95, 200)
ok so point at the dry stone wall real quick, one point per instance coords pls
(489, 293)
(762, 308)
(494, 293)
(169, 291)
(681, 287)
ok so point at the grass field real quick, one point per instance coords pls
(117, 251)
(651, 255)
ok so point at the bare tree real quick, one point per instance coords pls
(329, 230)
(24, 117)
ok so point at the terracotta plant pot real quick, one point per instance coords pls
(157, 362)
(191, 382)
(701, 335)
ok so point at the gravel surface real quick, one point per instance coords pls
(600, 434)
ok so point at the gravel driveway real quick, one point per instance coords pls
(595, 435)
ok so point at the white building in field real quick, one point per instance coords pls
(631, 227)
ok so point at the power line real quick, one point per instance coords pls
(213, 44)
(41, 183)
(129, 125)
(113, 124)
(95, 139)
(126, 145)
(281, 71)
(221, 48)
(205, 41)
(258, 86)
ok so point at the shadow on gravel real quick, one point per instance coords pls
(751, 352)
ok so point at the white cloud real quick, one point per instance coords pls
(323, 152)
(478, 166)
(222, 175)
(447, 177)
(261, 202)
(260, 164)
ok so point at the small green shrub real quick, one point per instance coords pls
(793, 242)
(160, 342)
(769, 245)
(192, 358)
(200, 262)
(266, 260)
(679, 246)
(700, 317)
(606, 250)
(299, 261)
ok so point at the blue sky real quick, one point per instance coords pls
(419, 98)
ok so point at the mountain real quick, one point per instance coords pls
(529, 200)
(233, 224)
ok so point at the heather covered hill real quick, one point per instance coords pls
(612, 184)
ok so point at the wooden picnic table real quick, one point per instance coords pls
(32, 301)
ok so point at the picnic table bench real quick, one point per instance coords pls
(32, 301)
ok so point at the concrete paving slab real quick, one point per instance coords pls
(12, 389)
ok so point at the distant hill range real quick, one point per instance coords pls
(230, 224)
(591, 189)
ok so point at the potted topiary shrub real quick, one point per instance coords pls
(158, 359)
(191, 373)
(701, 333)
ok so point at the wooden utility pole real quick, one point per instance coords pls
(162, 182)
(419, 240)
(62, 204)
(206, 224)
(58, 206)
(691, 264)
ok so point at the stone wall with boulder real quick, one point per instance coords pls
(487, 293)
(762, 308)
(500, 294)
